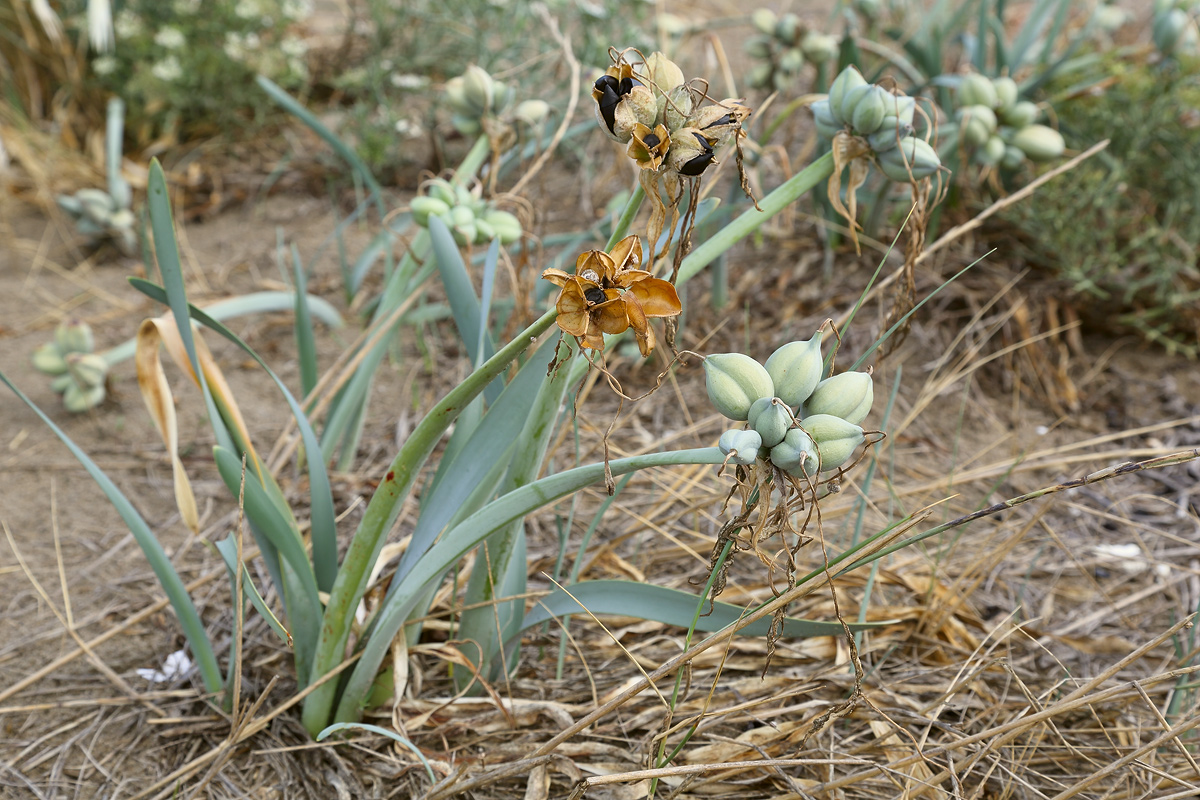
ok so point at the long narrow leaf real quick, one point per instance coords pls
(306, 345)
(670, 607)
(168, 578)
(473, 530)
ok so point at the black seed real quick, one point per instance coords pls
(697, 165)
(651, 141)
(605, 82)
(608, 104)
(725, 120)
(595, 295)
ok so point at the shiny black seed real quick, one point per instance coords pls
(608, 105)
(605, 82)
(595, 295)
(651, 141)
(627, 85)
(725, 120)
(697, 165)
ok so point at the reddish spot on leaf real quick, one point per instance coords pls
(390, 476)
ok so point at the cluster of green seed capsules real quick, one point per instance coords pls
(796, 421)
(883, 119)
(79, 374)
(1174, 27)
(783, 47)
(470, 218)
(475, 97)
(1000, 127)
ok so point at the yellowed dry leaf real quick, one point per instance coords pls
(156, 392)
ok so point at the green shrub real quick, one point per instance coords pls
(1123, 229)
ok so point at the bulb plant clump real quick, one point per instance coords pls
(470, 218)
(783, 47)
(79, 374)
(999, 127)
(798, 423)
(882, 122)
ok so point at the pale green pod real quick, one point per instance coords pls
(1168, 30)
(677, 111)
(1006, 92)
(848, 395)
(760, 76)
(478, 90)
(455, 94)
(484, 233)
(870, 111)
(764, 19)
(992, 151)
(977, 90)
(97, 205)
(835, 438)
(890, 132)
(87, 369)
(1039, 142)
(850, 102)
(901, 106)
(531, 112)
(787, 30)
(921, 159)
(442, 190)
(48, 359)
(61, 383)
(976, 124)
(818, 47)
(1021, 115)
(827, 125)
(506, 225)
(795, 370)
(1013, 158)
(734, 381)
(664, 73)
(758, 46)
(796, 454)
(74, 336)
(424, 207)
(77, 400)
(772, 422)
(743, 446)
(847, 79)
(792, 60)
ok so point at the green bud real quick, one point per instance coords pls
(1006, 92)
(771, 417)
(850, 101)
(758, 47)
(764, 19)
(1021, 115)
(870, 111)
(818, 47)
(848, 396)
(835, 438)
(847, 79)
(478, 90)
(827, 125)
(787, 30)
(531, 113)
(87, 369)
(742, 445)
(977, 90)
(792, 60)
(796, 454)
(1039, 143)
(976, 124)
(901, 106)
(74, 336)
(992, 151)
(795, 370)
(911, 154)
(48, 359)
(1013, 157)
(423, 207)
(734, 381)
(77, 400)
(506, 225)
(890, 132)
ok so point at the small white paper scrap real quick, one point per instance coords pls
(177, 666)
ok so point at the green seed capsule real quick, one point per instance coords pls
(977, 90)
(764, 19)
(891, 131)
(848, 396)
(1013, 158)
(87, 369)
(772, 422)
(847, 79)
(423, 207)
(795, 370)
(734, 381)
(796, 454)
(835, 438)
(1039, 143)
(77, 400)
(758, 47)
(1021, 115)
(976, 124)
(478, 90)
(850, 101)
(1006, 92)
(818, 47)
(74, 336)
(921, 159)
(48, 359)
(870, 111)
(506, 225)
(792, 60)
(743, 446)
(824, 120)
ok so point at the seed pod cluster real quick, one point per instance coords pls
(782, 47)
(98, 216)
(470, 218)
(80, 374)
(1173, 29)
(884, 119)
(804, 425)
(649, 107)
(1000, 127)
(475, 96)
